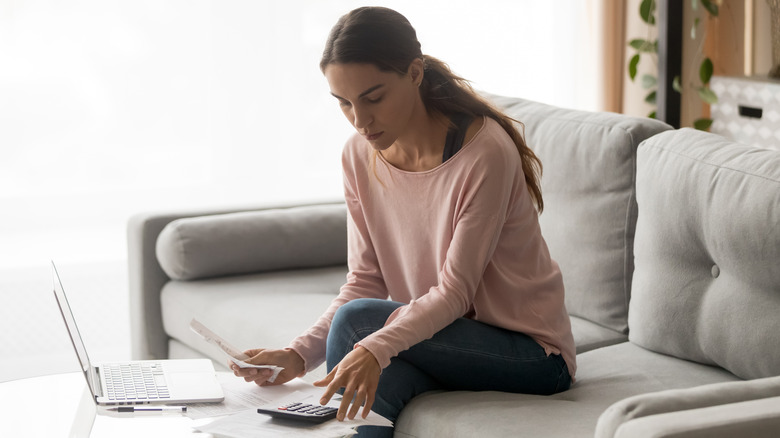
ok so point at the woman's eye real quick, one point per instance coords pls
(374, 100)
(343, 104)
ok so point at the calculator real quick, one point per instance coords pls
(302, 412)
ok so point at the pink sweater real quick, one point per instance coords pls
(462, 239)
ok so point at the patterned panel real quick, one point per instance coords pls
(748, 110)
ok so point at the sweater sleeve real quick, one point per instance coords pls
(364, 278)
(485, 200)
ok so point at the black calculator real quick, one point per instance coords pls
(302, 412)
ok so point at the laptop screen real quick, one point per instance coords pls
(73, 330)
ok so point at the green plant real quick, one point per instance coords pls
(702, 86)
(649, 47)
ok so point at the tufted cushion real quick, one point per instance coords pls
(590, 211)
(707, 279)
(255, 241)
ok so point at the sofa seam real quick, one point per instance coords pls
(629, 207)
(708, 163)
(626, 247)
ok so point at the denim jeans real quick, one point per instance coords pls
(466, 355)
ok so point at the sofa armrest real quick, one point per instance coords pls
(146, 278)
(754, 418)
(674, 401)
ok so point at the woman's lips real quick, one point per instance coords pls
(372, 137)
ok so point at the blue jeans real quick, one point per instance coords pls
(466, 355)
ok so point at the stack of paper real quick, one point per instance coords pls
(238, 415)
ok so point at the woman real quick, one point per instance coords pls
(443, 198)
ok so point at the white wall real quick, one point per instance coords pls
(112, 107)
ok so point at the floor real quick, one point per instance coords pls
(33, 340)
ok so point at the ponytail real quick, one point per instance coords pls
(446, 93)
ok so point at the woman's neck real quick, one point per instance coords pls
(421, 147)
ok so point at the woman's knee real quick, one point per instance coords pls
(352, 322)
(363, 313)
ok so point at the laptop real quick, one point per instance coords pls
(141, 381)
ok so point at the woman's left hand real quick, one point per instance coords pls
(358, 373)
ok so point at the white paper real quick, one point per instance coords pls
(250, 424)
(234, 354)
(240, 396)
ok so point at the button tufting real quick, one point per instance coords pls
(715, 271)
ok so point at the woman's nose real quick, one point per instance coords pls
(361, 118)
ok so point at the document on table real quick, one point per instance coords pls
(250, 424)
(240, 396)
(234, 354)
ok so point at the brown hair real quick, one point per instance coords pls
(386, 39)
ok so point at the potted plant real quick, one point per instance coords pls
(698, 79)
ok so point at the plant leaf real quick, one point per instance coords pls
(707, 95)
(676, 84)
(632, 66)
(651, 98)
(693, 28)
(702, 124)
(648, 81)
(651, 115)
(711, 7)
(647, 11)
(643, 45)
(705, 71)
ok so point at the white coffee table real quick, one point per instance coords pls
(60, 405)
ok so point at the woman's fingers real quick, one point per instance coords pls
(335, 381)
(347, 398)
(367, 405)
(258, 376)
(357, 402)
(358, 373)
(331, 389)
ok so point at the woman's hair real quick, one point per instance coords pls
(384, 38)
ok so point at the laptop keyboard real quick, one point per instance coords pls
(135, 381)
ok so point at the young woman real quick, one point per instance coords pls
(443, 198)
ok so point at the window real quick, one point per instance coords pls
(110, 108)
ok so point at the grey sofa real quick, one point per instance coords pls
(669, 244)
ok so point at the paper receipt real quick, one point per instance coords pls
(234, 354)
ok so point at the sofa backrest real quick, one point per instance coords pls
(707, 278)
(588, 188)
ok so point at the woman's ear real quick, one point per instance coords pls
(416, 71)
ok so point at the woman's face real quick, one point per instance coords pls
(378, 104)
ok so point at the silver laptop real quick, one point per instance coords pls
(144, 381)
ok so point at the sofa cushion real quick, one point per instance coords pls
(753, 418)
(589, 213)
(604, 376)
(589, 336)
(673, 400)
(255, 241)
(707, 279)
(251, 311)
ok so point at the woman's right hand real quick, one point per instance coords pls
(288, 359)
